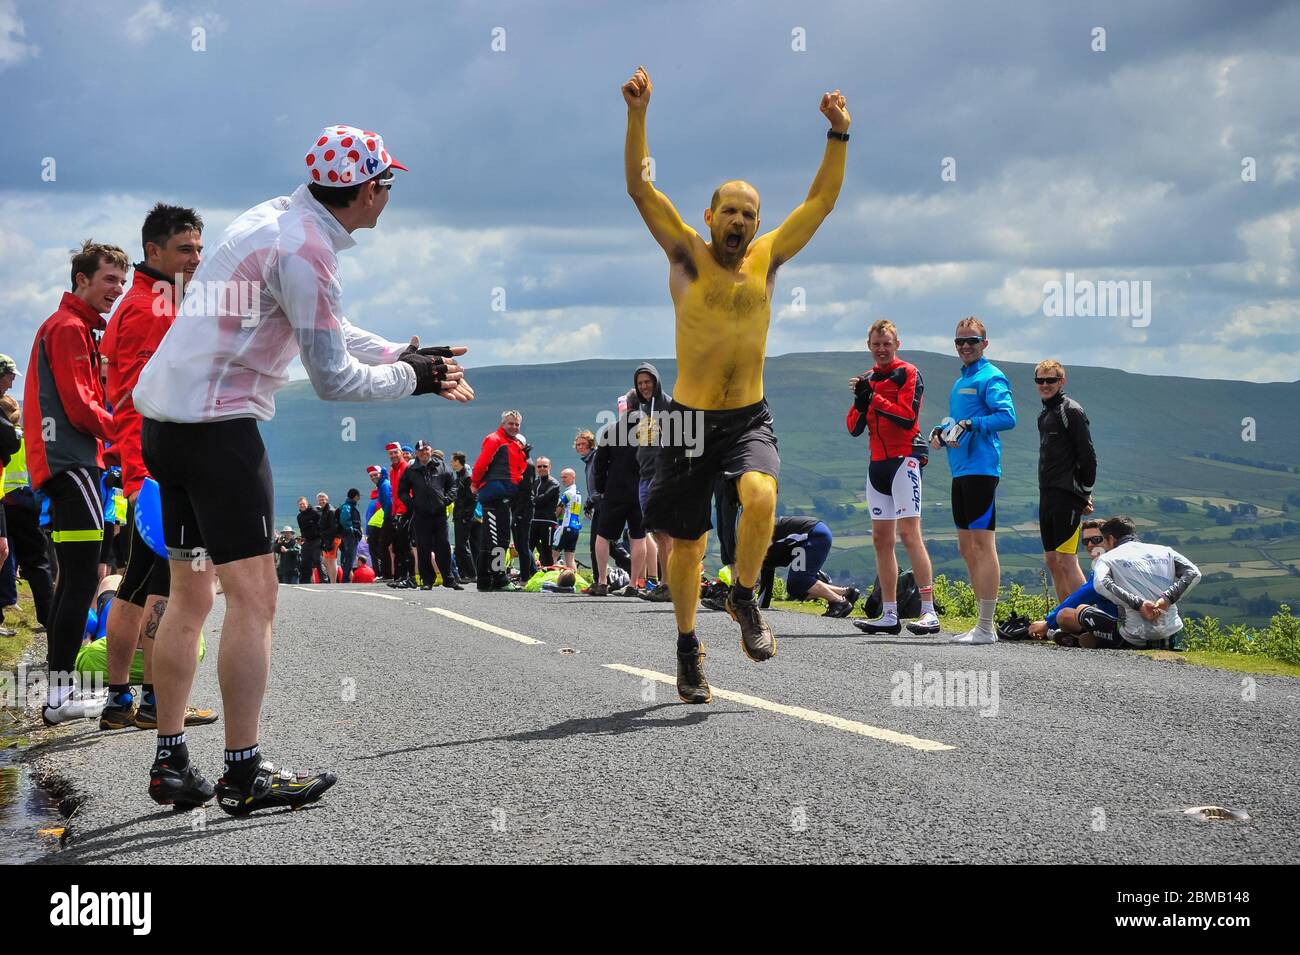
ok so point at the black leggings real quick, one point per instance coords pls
(77, 520)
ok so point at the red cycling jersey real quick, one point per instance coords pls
(889, 411)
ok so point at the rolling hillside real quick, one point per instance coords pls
(1155, 436)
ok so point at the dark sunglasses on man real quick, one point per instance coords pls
(1093, 541)
(1047, 381)
(972, 340)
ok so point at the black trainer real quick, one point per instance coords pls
(756, 637)
(271, 788)
(692, 687)
(184, 788)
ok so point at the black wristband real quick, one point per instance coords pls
(842, 137)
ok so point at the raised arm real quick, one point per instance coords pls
(793, 234)
(660, 216)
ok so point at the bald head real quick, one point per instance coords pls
(736, 188)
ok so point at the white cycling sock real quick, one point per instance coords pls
(987, 607)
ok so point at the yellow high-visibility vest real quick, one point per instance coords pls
(377, 518)
(15, 475)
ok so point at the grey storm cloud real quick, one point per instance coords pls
(1122, 164)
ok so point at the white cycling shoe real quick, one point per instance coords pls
(975, 636)
(75, 707)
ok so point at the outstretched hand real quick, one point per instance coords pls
(436, 371)
(637, 90)
(833, 106)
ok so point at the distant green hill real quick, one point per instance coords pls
(1154, 436)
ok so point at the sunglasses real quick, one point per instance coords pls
(386, 183)
(1089, 541)
(1046, 381)
(973, 340)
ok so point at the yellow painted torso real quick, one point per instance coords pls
(722, 323)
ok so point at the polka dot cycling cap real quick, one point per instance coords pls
(344, 156)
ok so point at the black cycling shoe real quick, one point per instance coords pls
(183, 788)
(756, 637)
(272, 788)
(453, 585)
(692, 687)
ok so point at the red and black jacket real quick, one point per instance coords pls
(888, 406)
(501, 459)
(63, 396)
(137, 328)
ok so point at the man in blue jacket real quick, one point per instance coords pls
(979, 406)
(384, 499)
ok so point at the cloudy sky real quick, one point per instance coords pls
(1122, 164)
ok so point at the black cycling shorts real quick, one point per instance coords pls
(215, 480)
(1059, 516)
(146, 575)
(711, 444)
(973, 504)
(614, 515)
(568, 540)
(1104, 627)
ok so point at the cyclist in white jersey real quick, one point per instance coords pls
(269, 292)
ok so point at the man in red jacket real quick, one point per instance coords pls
(397, 533)
(495, 479)
(173, 245)
(886, 403)
(65, 425)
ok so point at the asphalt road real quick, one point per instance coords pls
(455, 743)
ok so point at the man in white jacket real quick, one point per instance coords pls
(1145, 582)
(268, 293)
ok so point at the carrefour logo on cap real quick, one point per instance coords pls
(371, 165)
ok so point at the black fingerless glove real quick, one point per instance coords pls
(862, 394)
(430, 365)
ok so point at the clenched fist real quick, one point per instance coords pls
(636, 91)
(834, 109)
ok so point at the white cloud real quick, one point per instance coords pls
(14, 47)
(1271, 247)
(920, 279)
(1277, 317)
(151, 19)
(1021, 292)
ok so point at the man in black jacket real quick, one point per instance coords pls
(615, 475)
(462, 515)
(522, 511)
(329, 533)
(309, 527)
(1067, 470)
(647, 403)
(546, 503)
(287, 554)
(426, 488)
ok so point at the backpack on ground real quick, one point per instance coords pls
(909, 598)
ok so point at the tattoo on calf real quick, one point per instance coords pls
(155, 617)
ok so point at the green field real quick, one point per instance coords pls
(1145, 427)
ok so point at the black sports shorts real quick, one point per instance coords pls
(1059, 516)
(973, 507)
(215, 480)
(614, 515)
(698, 447)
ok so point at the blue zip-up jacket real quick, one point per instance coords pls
(1087, 594)
(385, 499)
(981, 394)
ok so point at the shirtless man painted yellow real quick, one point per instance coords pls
(722, 293)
